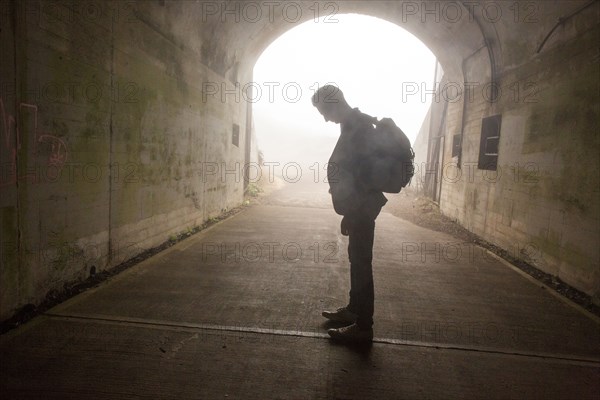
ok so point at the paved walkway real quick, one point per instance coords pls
(234, 312)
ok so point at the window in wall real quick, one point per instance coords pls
(490, 140)
(456, 143)
(235, 136)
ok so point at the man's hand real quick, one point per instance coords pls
(345, 226)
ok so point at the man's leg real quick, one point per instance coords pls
(360, 253)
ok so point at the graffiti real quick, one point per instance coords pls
(58, 155)
(13, 137)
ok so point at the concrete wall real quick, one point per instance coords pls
(420, 147)
(108, 145)
(427, 146)
(542, 204)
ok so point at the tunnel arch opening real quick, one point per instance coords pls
(383, 70)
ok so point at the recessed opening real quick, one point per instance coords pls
(456, 145)
(235, 135)
(490, 141)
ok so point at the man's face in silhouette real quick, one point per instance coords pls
(331, 111)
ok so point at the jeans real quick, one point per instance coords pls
(361, 228)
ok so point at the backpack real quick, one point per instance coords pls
(388, 164)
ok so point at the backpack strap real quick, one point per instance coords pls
(372, 120)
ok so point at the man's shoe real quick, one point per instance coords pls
(342, 315)
(352, 333)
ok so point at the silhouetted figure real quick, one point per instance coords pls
(359, 206)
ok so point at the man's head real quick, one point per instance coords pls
(330, 102)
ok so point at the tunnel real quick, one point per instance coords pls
(133, 265)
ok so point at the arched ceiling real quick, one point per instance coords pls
(230, 36)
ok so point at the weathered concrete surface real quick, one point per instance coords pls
(109, 145)
(235, 311)
(542, 203)
(78, 359)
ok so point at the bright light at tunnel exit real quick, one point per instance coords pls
(367, 57)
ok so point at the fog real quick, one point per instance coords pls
(369, 59)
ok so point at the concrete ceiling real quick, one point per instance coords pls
(234, 34)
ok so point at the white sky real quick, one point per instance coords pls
(368, 58)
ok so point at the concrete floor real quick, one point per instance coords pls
(234, 312)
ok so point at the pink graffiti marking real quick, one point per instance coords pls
(11, 134)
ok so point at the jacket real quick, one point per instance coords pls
(349, 194)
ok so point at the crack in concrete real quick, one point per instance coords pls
(140, 322)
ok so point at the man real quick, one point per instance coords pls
(359, 206)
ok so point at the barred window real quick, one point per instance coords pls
(490, 142)
(235, 136)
